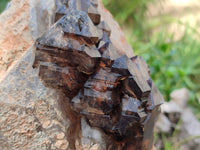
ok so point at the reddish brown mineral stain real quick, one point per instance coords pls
(15, 35)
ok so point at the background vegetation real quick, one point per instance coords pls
(174, 64)
(3, 4)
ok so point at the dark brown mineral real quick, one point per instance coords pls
(113, 92)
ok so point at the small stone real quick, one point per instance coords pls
(180, 97)
(163, 124)
(170, 107)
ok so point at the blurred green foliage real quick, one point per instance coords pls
(173, 64)
(128, 12)
(3, 4)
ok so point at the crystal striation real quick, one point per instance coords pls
(113, 92)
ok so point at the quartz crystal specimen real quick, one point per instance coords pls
(113, 92)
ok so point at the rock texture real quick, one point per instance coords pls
(15, 35)
(37, 113)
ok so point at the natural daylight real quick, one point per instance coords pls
(71, 78)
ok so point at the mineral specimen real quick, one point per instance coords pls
(113, 92)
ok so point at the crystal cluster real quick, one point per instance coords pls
(114, 93)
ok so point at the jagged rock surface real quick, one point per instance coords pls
(72, 59)
(106, 88)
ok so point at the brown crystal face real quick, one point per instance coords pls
(113, 92)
